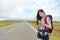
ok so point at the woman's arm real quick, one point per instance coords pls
(49, 23)
(39, 23)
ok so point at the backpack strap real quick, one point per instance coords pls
(45, 21)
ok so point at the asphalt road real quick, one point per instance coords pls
(19, 31)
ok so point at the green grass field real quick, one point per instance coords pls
(2, 24)
(55, 34)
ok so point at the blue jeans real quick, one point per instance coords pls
(46, 37)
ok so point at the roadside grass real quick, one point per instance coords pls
(55, 35)
(5, 23)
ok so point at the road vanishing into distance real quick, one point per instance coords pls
(18, 31)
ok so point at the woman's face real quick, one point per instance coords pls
(41, 14)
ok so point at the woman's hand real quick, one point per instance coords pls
(47, 25)
(43, 23)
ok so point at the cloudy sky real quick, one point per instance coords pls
(27, 9)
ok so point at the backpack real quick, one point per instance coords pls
(45, 20)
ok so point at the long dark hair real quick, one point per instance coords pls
(38, 16)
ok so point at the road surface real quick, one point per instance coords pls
(19, 31)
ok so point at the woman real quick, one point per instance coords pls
(42, 34)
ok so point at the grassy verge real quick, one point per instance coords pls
(55, 34)
(2, 24)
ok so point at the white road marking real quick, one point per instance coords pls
(32, 27)
(10, 30)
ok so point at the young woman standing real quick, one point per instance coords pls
(42, 34)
